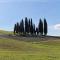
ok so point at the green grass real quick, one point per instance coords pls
(20, 50)
(5, 32)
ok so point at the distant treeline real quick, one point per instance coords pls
(27, 27)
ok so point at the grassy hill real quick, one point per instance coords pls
(13, 49)
(5, 32)
(20, 50)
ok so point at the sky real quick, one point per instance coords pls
(12, 11)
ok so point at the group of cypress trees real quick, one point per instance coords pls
(28, 27)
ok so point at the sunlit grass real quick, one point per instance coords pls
(5, 32)
(20, 50)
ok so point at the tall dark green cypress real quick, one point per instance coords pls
(29, 25)
(31, 28)
(45, 27)
(22, 26)
(17, 28)
(26, 25)
(34, 31)
(40, 27)
(14, 28)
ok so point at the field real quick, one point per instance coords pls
(5, 32)
(20, 50)
(34, 49)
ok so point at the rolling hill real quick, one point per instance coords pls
(22, 48)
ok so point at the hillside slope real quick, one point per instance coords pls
(25, 48)
(29, 50)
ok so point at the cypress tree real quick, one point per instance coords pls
(26, 25)
(45, 27)
(40, 27)
(31, 28)
(17, 28)
(22, 26)
(14, 28)
(29, 25)
(34, 29)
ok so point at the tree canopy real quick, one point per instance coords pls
(28, 27)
